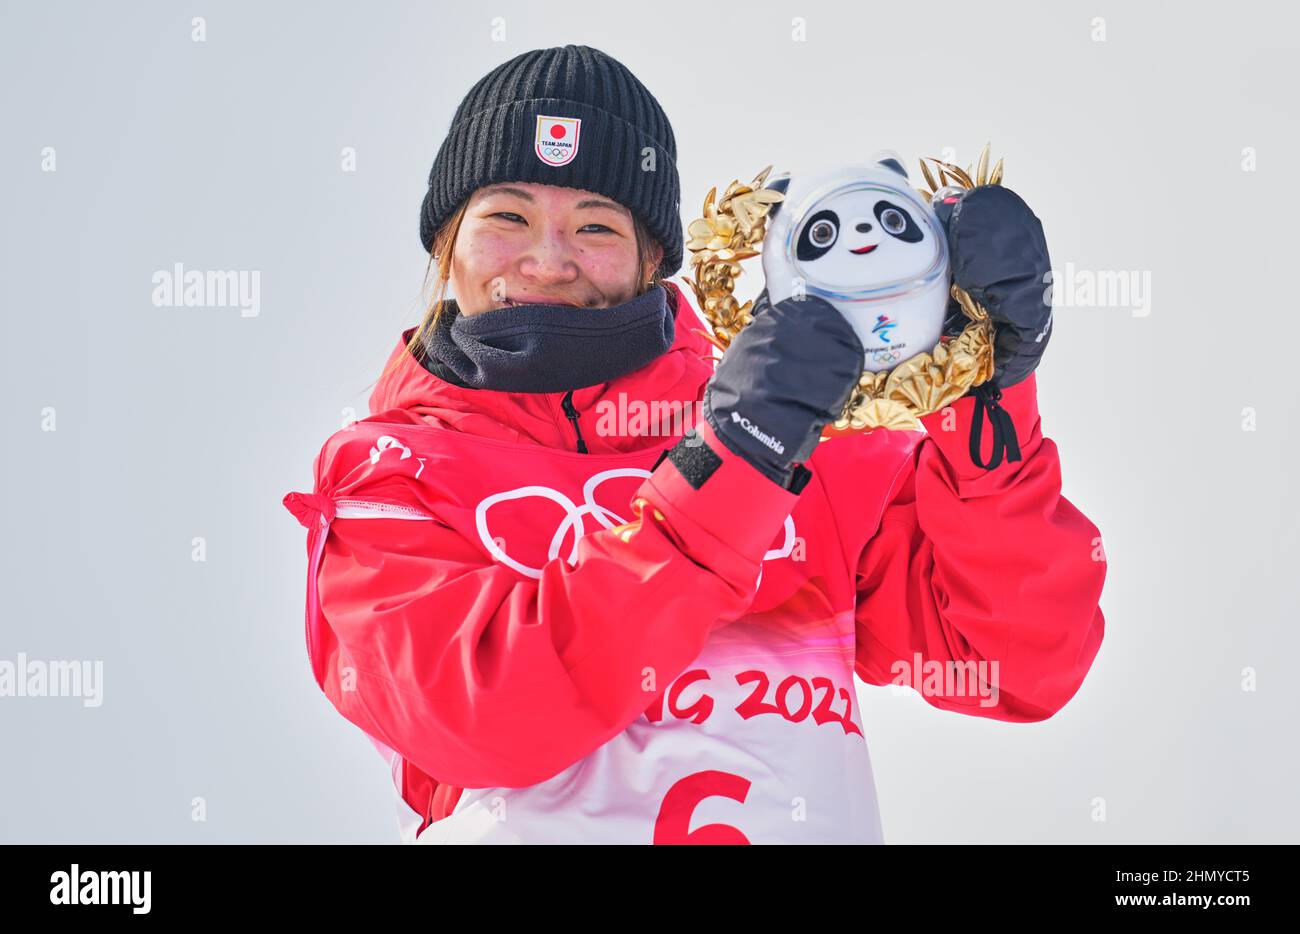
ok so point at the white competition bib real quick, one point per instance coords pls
(758, 741)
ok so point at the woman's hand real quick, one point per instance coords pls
(999, 255)
(786, 375)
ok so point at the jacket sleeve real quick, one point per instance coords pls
(974, 565)
(481, 677)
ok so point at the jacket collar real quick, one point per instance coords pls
(646, 408)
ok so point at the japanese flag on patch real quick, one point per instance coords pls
(557, 139)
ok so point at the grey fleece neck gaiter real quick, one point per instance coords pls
(548, 348)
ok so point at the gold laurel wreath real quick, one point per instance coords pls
(729, 233)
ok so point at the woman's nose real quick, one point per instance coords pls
(551, 257)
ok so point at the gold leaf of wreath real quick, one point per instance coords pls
(730, 231)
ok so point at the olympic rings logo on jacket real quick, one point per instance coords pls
(575, 519)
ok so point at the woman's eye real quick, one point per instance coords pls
(893, 221)
(515, 218)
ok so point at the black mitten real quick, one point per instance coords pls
(999, 255)
(783, 379)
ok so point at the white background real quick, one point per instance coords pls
(174, 423)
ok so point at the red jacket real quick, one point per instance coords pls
(551, 645)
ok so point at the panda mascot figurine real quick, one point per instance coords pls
(863, 239)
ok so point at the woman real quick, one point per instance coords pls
(578, 586)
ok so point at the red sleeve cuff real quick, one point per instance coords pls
(720, 496)
(951, 432)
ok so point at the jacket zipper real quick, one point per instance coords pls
(364, 509)
(346, 509)
(571, 414)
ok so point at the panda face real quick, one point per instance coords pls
(861, 238)
(864, 238)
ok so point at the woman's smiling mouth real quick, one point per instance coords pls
(511, 303)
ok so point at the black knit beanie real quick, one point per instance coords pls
(570, 116)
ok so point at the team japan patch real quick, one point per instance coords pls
(557, 139)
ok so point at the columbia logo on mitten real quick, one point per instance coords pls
(754, 430)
